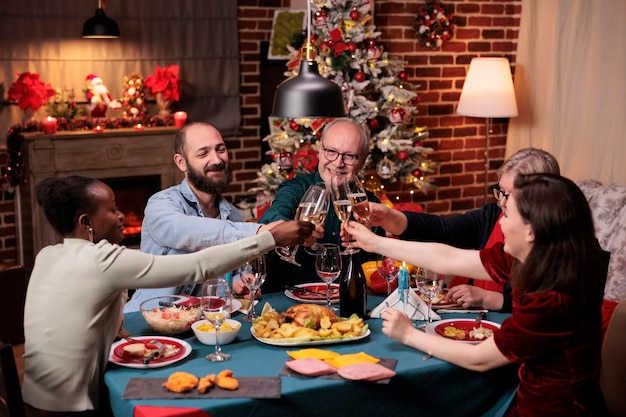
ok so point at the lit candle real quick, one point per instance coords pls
(50, 125)
(180, 119)
(98, 129)
(138, 126)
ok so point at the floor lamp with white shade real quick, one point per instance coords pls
(488, 92)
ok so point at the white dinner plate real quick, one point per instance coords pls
(185, 350)
(437, 327)
(307, 341)
(314, 298)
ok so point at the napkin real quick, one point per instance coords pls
(351, 359)
(416, 309)
(389, 363)
(312, 353)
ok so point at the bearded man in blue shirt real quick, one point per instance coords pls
(193, 215)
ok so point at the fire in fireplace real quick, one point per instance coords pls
(131, 195)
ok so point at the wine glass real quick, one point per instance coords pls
(252, 274)
(216, 303)
(318, 213)
(388, 268)
(430, 284)
(313, 207)
(328, 266)
(342, 205)
(358, 198)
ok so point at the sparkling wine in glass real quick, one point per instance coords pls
(313, 207)
(216, 304)
(388, 268)
(342, 205)
(316, 212)
(430, 284)
(328, 267)
(252, 274)
(358, 198)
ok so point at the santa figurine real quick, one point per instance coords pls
(98, 97)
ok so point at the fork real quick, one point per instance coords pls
(479, 317)
(160, 348)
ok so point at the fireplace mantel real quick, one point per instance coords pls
(115, 153)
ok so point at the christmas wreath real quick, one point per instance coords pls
(434, 25)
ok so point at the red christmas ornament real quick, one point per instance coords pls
(372, 123)
(417, 173)
(294, 126)
(359, 76)
(403, 76)
(354, 14)
(320, 18)
(352, 46)
(397, 115)
(403, 155)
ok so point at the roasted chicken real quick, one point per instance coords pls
(308, 315)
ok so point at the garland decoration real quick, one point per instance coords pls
(434, 25)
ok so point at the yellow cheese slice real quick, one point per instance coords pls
(312, 353)
(351, 359)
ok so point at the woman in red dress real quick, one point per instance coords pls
(554, 332)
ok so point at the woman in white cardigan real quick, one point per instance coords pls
(75, 293)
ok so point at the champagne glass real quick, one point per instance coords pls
(430, 284)
(311, 209)
(342, 205)
(328, 267)
(318, 212)
(216, 303)
(358, 198)
(252, 274)
(388, 268)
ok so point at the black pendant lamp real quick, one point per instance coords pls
(100, 26)
(308, 95)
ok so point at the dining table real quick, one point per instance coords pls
(423, 386)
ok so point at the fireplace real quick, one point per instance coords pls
(135, 164)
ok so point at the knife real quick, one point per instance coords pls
(304, 290)
(160, 348)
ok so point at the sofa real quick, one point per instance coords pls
(608, 207)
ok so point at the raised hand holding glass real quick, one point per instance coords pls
(313, 207)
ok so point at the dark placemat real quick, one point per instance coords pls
(249, 387)
(389, 363)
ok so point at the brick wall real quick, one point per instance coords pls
(484, 28)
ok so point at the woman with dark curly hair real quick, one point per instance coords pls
(76, 290)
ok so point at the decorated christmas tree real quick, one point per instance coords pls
(377, 93)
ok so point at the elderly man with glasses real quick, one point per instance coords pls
(344, 146)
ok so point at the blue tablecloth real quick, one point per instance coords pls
(421, 387)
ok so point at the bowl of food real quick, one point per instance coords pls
(171, 314)
(205, 331)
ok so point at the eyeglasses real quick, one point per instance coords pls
(498, 193)
(347, 158)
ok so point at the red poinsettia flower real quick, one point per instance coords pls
(30, 92)
(305, 158)
(166, 81)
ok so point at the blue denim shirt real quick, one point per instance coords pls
(174, 223)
